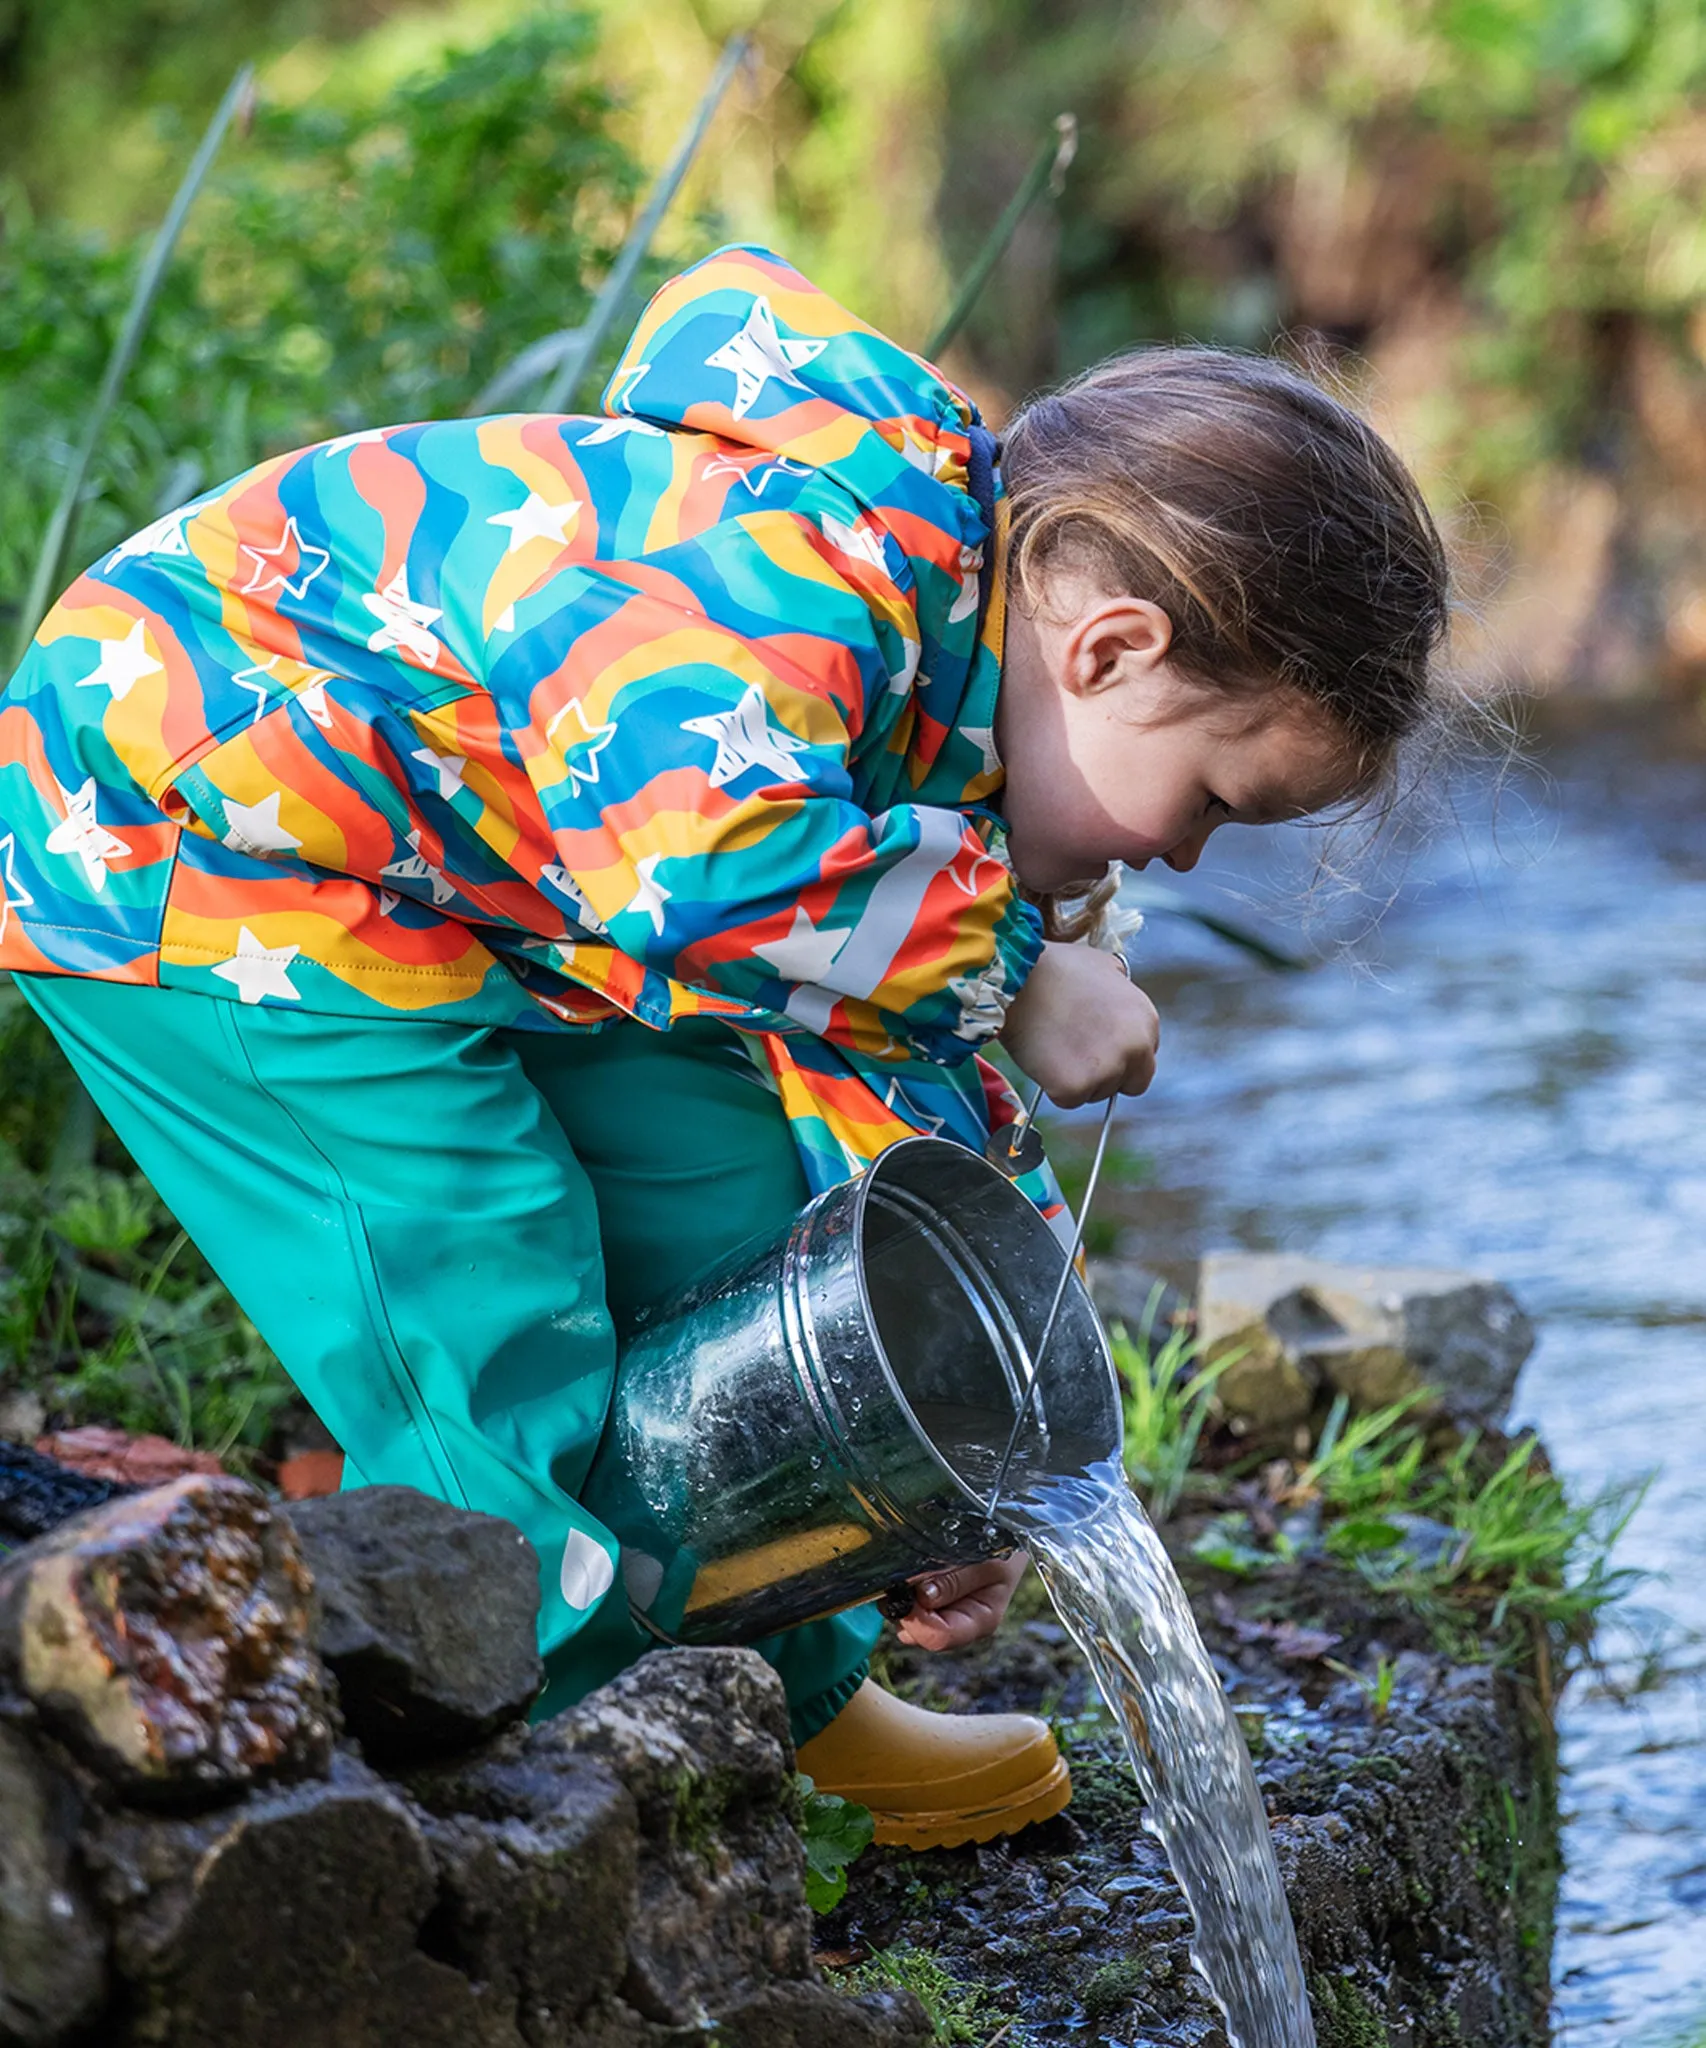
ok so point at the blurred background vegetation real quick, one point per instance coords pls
(1486, 217)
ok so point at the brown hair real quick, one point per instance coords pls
(1285, 541)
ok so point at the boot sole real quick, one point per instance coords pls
(1040, 1800)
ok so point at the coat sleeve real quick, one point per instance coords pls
(699, 786)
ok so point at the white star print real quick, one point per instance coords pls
(965, 605)
(79, 836)
(651, 895)
(858, 541)
(893, 1099)
(593, 739)
(611, 430)
(254, 680)
(754, 468)
(557, 877)
(983, 738)
(388, 901)
(505, 620)
(447, 767)
(402, 622)
(966, 866)
(254, 828)
(123, 664)
(758, 354)
(415, 867)
(312, 698)
(258, 971)
(270, 573)
(536, 520)
(806, 954)
(900, 679)
(13, 894)
(344, 441)
(628, 379)
(163, 536)
(746, 739)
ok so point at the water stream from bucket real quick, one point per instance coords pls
(1116, 1592)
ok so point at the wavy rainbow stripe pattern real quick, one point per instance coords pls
(685, 709)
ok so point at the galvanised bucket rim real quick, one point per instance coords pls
(1078, 1294)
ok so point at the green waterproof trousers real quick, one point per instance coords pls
(434, 1227)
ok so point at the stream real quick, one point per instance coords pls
(1508, 1074)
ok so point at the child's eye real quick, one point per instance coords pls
(1219, 803)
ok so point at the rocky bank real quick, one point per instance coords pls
(266, 1779)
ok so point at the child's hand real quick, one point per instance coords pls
(1081, 1029)
(957, 1607)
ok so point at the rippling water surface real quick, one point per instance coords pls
(1516, 1083)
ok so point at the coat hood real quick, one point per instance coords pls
(744, 347)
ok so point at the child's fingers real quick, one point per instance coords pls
(960, 1606)
(943, 1589)
(951, 1628)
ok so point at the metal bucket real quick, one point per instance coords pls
(823, 1417)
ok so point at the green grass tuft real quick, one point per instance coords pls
(1166, 1396)
(960, 2014)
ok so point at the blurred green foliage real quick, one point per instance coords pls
(348, 265)
(106, 1312)
(1511, 183)
(344, 267)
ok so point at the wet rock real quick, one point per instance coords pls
(700, 1740)
(537, 1852)
(426, 1614)
(292, 1918)
(1303, 1327)
(53, 1949)
(164, 1637)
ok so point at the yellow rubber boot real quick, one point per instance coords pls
(935, 1780)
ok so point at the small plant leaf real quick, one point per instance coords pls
(836, 1832)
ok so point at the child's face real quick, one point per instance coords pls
(1111, 755)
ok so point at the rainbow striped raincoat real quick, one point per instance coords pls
(683, 710)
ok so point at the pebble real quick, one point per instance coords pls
(1082, 1902)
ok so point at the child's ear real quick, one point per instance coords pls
(1120, 640)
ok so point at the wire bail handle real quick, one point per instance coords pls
(1065, 1281)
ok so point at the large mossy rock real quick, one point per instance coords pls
(187, 1860)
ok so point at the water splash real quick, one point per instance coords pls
(1116, 1591)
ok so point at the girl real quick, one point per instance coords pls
(485, 871)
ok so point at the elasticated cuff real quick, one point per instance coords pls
(813, 1716)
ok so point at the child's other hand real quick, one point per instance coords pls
(1080, 1028)
(957, 1607)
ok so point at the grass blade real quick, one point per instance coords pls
(61, 530)
(576, 361)
(1049, 168)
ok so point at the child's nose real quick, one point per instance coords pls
(1186, 854)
